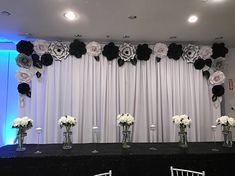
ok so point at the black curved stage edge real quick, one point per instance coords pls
(137, 160)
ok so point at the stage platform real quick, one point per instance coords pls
(139, 160)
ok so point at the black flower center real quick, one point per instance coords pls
(59, 50)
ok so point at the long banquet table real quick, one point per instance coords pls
(137, 160)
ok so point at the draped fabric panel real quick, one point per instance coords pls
(96, 92)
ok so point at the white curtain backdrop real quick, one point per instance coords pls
(96, 92)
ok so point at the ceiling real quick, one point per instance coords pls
(157, 20)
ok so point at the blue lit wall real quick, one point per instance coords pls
(8, 95)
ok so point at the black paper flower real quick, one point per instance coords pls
(218, 90)
(219, 50)
(208, 62)
(47, 59)
(23, 88)
(58, 50)
(110, 51)
(36, 62)
(120, 62)
(77, 48)
(174, 51)
(199, 64)
(206, 74)
(143, 52)
(25, 47)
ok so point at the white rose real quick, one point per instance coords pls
(231, 121)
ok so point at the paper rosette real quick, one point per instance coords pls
(205, 52)
(218, 64)
(217, 78)
(41, 47)
(127, 52)
(93, 49)
(160, 50)
(24, 75)
(190, 53)
(58, 50)
(23, 60)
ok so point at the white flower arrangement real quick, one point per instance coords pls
(160, 50)
(67, 121)
(205, 52)
(225, 121)
(23, 123)
(217, 78)
(41, 47)
(125, 119)
(93, 49)
(24, 75)
(182, 121)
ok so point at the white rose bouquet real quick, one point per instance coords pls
(67, 121)
(23, 123)
(225, 121)
(125, 119)
(182, 121)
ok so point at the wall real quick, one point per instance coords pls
(229, 97)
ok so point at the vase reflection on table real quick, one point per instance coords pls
(125, 121)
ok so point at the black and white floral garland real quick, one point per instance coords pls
(34, 56)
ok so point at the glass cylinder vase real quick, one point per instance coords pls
(183, 142)
(67, 138)
(126, 137)
(20, 135)
(227, 133)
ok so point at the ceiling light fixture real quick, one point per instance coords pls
(5, 13)
(192, 19)
(126, 36)
(172, 37)
(219, 38)
(77, 35)
(132, 17)
(70, 15)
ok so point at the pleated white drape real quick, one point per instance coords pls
(96, 92)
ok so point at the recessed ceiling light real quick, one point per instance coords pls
(192, 19)
(132, 17)
(5, 13)
(219, 38)
(172, 37)
(70, 15)
(77, 35)
(126, 36)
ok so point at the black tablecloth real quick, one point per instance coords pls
(137, 160)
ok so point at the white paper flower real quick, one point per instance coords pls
(127, 52)
(205, 52)
(67, 121)
(190, 53)
(24, 75)
(59, 50)
(125, 119)
(217, 78)
(160, 50)
(41, 47)
(24, 61)
(93, 49)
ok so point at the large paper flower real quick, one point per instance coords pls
(217, 78)
(199, 64)
(93, 49)
(23, 88)
(110, 51)
(46, 59)
(77, 48)
(23, 60)
(41, 47)
(127, 52)
(24, 75)
(205, 52)
(25, 47)
(58, 50)
(190, 53)
(219, 50)
(160, 50)
(218, 90)
(218, 64)
(174, 51)
(143, 52)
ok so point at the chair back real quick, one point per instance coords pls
(185, 172)
(109, 173)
